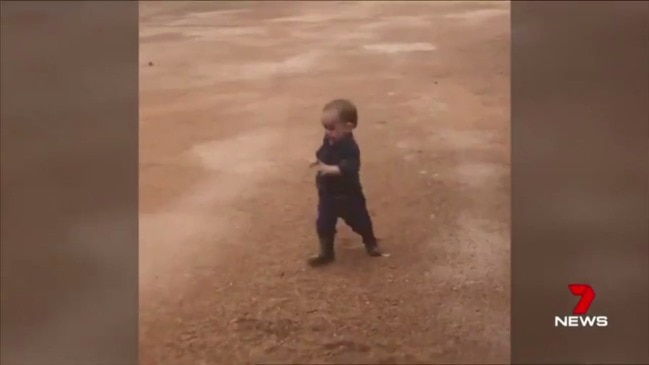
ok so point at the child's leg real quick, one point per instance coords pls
(355, 214)
(326, 228)
(327, 218)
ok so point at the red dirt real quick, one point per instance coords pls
(229, 121)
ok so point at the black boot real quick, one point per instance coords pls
(372, 249)
(326, 255)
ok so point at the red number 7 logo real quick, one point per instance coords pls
(587, 295)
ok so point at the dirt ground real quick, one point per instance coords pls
(230, 95)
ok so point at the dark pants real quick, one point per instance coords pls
(352, 209)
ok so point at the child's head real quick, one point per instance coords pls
(339, 118)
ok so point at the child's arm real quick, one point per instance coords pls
(351, 163)
(329, 169)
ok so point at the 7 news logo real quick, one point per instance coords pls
(579, 317)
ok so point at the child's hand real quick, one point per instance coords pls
(328, 169)
(324, 168)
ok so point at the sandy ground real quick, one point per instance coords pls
(229, 113)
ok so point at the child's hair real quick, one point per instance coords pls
(345, 109)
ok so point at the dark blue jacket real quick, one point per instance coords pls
(345, 154)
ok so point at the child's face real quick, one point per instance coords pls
(334, 128)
